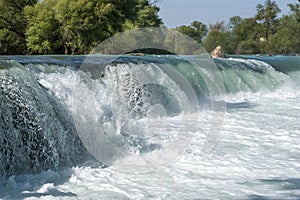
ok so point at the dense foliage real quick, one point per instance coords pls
(13, 26)
(68, 26)
(264, 33)
(76, 26)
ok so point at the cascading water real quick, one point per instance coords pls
(37, 131)
(130, 112)
(249, 75)
(112, 106)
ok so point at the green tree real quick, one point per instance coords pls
(218, 36)
(13, 25)
(295, 11)
(246, 36)
(232, 38)
(287, 39)
(43, 31)
(247, 29)
(197, 30)
(267, 16)
(140, 13)
(295, 23)
(76, 26)
(85, 23)
(234, 22)
(147, 15)
(248, 47)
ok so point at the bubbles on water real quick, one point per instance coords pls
(126, 105)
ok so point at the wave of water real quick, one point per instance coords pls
(142, 107)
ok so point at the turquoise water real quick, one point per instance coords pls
(154, 127)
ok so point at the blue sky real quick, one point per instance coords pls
(183, 12)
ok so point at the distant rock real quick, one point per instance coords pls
(217, 52)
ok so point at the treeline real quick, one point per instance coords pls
(69, 26)
(77, 26)
(264, 33)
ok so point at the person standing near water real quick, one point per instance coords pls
(217, 52)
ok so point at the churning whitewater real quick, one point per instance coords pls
(150, 127)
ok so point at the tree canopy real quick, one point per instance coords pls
(13, 25)
(197, 30)
(264, 33)
(69, 26)
(76, 26)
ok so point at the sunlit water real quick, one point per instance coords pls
(256, 157)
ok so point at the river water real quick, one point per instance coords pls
(242, 143)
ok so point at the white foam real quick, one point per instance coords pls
(256, 156)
